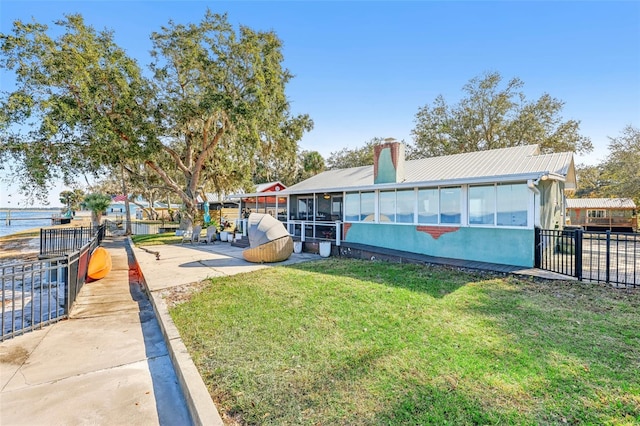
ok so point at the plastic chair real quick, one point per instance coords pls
(195, 236)
(211, 235)
(186, 235)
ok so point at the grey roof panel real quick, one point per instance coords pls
(525, 162)
(600, 203)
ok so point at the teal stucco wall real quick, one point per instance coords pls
(495, 245)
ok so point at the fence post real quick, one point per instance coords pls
(66, 276)
(608, 256)
(537, 255)
(578, 253)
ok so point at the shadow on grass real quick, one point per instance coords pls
(436, 281)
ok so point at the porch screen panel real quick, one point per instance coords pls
(352, 207)
(512, 203)
(405, 206)
(482, 205)
(450, 205)
(305, 208)
(387, 206)
(428, 206)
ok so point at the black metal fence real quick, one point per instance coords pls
(140, 227)
(62, 241)
(41, 292)
(609, 257)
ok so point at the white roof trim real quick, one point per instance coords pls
(430, 184)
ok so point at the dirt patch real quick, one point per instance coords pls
(19, 248)
(15, 356)
(174, 296)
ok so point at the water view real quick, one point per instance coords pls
(22, 220)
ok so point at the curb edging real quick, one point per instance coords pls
(199, 403)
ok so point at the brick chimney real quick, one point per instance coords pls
(388, 162)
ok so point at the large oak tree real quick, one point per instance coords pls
(356, 157)
(621, 169)
(494, 115)
(213, 105)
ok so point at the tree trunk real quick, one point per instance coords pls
(127, 209)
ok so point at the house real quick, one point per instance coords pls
(479, 206)
(139, 208)
(270, 203)
(117, 206)
(601, 214)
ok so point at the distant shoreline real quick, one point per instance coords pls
(31, 209)
(22, 246)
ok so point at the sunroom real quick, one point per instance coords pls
(480, 206)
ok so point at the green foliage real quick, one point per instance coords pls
(589, 182)
(358, 342)
(214, 106)
(156, 239)
(72, 199)
(490, 117)
(621, 169)
(97, 204)
(356, 157)
(312, 163)
(81, 98)
(223, 96)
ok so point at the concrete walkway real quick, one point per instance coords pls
(119, 359)
(107, 365)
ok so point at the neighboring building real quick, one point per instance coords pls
(139, 208)
(271, 203)
(480, 206)
(117, 207)
(600, 214)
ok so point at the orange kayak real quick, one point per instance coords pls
(99, 264)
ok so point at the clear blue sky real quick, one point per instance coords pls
(363, 68)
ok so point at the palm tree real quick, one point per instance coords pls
(97, 203)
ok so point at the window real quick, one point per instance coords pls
(450, 206)
(428, 205)
(512, 203)
(352, 207)
(597, 213)
(397, 206)
(367, 206)
(487, 205)
(359, 206)
(388, 206)
(482, 205)
(405, 206)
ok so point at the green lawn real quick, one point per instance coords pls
(356, 342)
(156, 239)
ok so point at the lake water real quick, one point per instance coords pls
(23, 220)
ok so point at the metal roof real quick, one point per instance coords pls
(600, 203)
(264, 187)
(498, 165)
